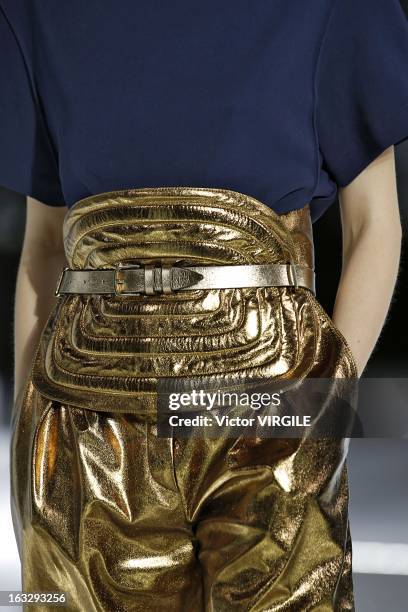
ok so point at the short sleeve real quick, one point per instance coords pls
(361, 85)
(27, 161)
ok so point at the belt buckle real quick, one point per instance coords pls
(157, 278)
(292, 275)
(119, 281)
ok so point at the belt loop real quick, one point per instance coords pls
(149, 279)
(292, 274)
(166, 278)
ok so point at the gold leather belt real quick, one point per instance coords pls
(153, 278)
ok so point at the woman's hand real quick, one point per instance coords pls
(42, 258)
(371, 253)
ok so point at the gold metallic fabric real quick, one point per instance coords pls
(107, 353)
(121, 519)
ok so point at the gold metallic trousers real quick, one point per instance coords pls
(121, 519)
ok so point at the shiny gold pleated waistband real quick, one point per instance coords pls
(198, 225)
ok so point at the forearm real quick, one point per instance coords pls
(370, 267)
(37, 276)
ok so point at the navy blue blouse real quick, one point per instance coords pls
(282, 100)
